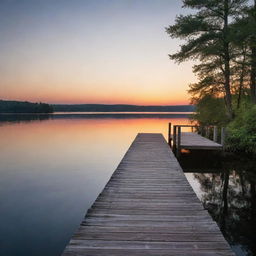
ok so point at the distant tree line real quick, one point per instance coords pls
(120, 108)
(221, 36)
(24, 107)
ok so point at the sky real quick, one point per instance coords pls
(91, 51)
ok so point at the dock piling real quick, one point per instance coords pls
(174, 137)
(178, 150)
(215, 133)
(223, 135)
(170, 134)
(207, 134)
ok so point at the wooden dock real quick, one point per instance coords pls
(192, 140)
(148, 208)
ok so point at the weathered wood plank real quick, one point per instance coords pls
(148, 245)
(163, 237)
(188, 228)
(148, 208)
(143, 252)
(175, 212)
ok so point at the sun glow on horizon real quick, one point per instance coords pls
(91, 52)
(80, 98)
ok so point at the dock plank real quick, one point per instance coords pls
(148, 208)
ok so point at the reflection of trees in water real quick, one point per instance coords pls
(27, 117)
(17, 118)
(230, 197)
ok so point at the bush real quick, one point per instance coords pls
(210, 111)
(242, 130)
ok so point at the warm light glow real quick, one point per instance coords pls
(113, 52)
(83, 131)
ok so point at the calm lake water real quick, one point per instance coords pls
(54, 166)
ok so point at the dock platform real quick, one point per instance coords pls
(148, 208)
(192, 140)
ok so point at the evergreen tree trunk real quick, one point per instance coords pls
(253, 75)
(241, 80)
(227, 82)
(227, 61)
(241, 84)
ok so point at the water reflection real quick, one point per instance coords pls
(92, 115)
(229, 194)
(52, 169)
(16, 118)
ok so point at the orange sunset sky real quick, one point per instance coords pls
(97, 51)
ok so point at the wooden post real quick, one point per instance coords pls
(178, 150)
(201, 130)
(215, 133)
(170, 134)
(207, 135)
(174, 141)
(197, 128)
(223, 134)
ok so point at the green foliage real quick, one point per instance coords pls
(209, 85)
(202, 37)
(244, 40)
(216, 35)
(210, 111)
(221, 36)
(242, 130)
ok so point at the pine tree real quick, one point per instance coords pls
(207, 35)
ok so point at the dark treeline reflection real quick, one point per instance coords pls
(228, 192)
(16, 118)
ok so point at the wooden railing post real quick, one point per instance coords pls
(215, 133)
(170, 134)
(207, 134)
(178, 150)
(174, 141)
(201, 130)
(223, 135)
(197, 129)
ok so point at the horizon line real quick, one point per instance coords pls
(107, 104)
